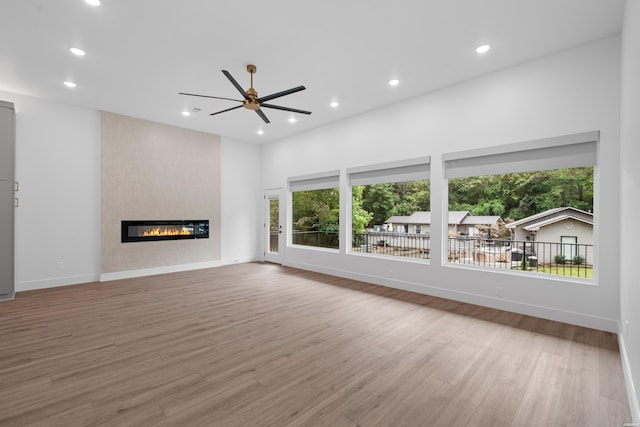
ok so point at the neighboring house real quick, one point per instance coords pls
(460, 223)
(477, 225)
(569, 232)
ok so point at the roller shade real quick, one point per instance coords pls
(570, 151)
(408, 170)
(315, 181)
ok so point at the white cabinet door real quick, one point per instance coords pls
(6, 143)
(6, 240)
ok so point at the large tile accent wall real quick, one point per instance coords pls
(156, 171)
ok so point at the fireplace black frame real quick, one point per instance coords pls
(200, 229)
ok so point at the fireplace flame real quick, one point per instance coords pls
(167, 231)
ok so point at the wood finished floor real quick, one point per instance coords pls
(264, 345)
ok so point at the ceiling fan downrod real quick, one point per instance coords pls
(251, 103)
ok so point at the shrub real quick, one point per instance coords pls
(560, 259)
(578, 260)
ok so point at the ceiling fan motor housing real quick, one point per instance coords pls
(251, 103)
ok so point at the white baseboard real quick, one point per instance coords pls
(56, 282)
(579, 319)
(240, 260)
(106, 277)
(634, 407)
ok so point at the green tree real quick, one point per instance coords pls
(488, 207)
(398, 198)
(420, 195)
(511, 196)
(379, 199)
(274, 214)
(316, 210)
(360, 217)
(518, 195)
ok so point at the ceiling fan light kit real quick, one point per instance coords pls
(250, 100)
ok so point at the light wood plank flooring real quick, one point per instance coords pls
(264, 345)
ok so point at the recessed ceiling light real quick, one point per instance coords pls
(334, 104)
(483, 48)
(186, 113)
(260, 132)
(93, 2)
(394, 82)
(292, 119)
(78, 52)
(70, 84)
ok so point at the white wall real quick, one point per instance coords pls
(570, 92)
(630, 203)
(58, 168)
(241, 196)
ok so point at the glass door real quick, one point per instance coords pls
(274, 236)
(569, 245)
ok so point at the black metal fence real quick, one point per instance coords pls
(393, 244)
(564, 259)
(321, 239)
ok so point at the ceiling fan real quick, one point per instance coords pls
(251, 100)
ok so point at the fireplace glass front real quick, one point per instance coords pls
(152, 230)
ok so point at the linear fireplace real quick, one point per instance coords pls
(150, 230)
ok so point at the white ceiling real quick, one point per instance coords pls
(141, 53)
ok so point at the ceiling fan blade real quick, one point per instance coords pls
(279, 94)
(224, 111)
(277, 107)
(207, 96)
(235, 83)
(262, 116)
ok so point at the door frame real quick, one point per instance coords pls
(569, 246)
(269, 195)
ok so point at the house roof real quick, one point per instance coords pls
(455, 217)
(478, 220)
(567, 210)
(552, 220)
(397, 219)
(420, 217)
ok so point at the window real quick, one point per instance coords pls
(390, 209)
(524, 206)
(274, 225)
(569, 246)
(315, 210)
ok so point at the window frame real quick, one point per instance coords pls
(310, 182)
(567, 151)
(406, 170)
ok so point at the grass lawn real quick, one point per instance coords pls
(567, 270)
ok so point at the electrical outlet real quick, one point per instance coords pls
(59, 265)
(499, 290)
